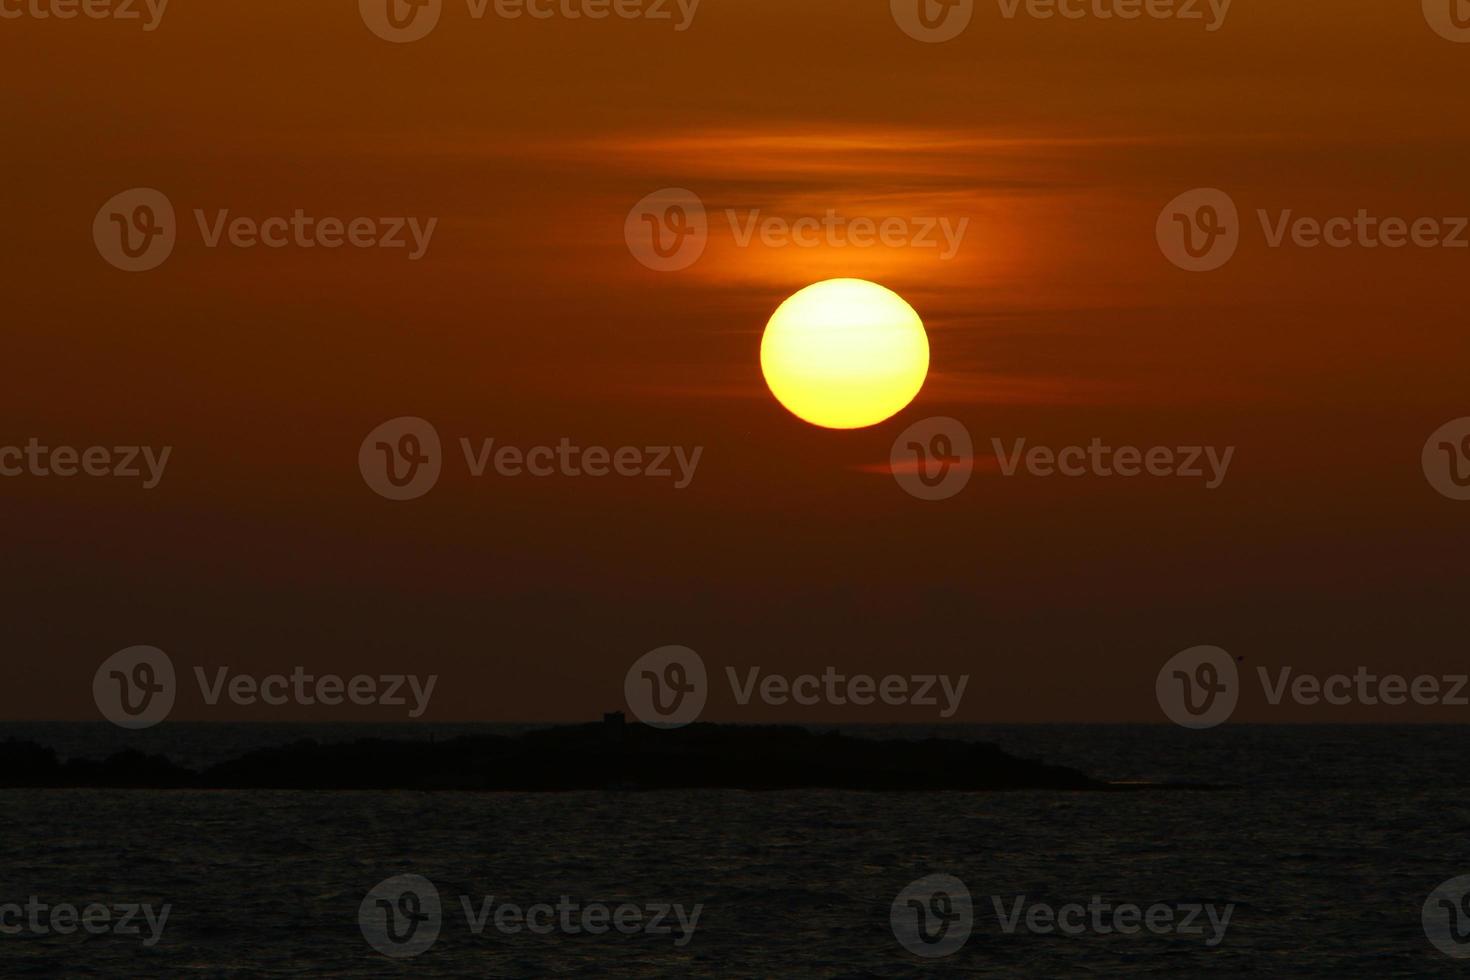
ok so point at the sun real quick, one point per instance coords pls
(845, 353)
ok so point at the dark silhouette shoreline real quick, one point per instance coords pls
(607, 756)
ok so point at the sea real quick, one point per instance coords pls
(1333, 849)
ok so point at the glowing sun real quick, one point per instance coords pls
(845, 353)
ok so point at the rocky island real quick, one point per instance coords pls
(612, 755)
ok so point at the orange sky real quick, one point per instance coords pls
(528, 320)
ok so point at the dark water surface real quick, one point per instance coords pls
(1327, 850)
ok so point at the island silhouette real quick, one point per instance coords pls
(612, 755)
